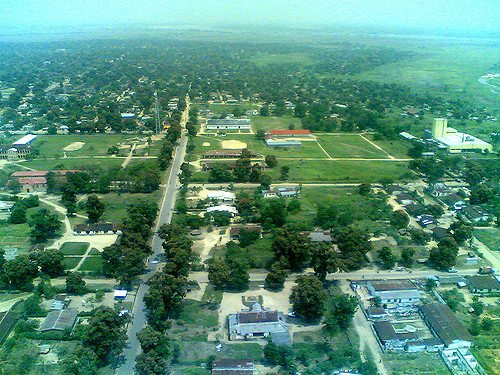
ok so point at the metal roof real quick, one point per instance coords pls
(444, 322)
(59, 320)
(24, 140)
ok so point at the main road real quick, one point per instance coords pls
(139, 311)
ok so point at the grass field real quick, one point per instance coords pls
(71, 262)
(489, 236)
(415, 364)
(275, 123)
(74, 248)
(351, 171)
(95, 144)
(349, 146)
(73, 163)
(92, 264)
(396, 148)
(116, 204)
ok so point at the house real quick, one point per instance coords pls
(223, 208)
(97, 228)
(376, 312)
(476, 214)
(320, 236)
(427, 220)
(439, 233)
(291, 133)
(393, 189)
(461, 361)
(439, 190)
(445, 325)
(221, 195)
(234, 232)
(398, 292)
(120, 294)
(455, 201)
(483, 284)
(415, 209)
(59, 320)
(389, 338)
(269, 194)
(5, 209)
(405, 199)
(60, 301)
(287, 192)
(232, 367)
(258, 322)
(229, 124)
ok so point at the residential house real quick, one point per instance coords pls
(439, 233)
(427, 220)
(394, 189)
(483, 284)
(396, 292)
(228, 154)
(288, 192)
(405, 199)
(476, 214)
(389, 338)
(433, 344)
(59, 320)
(258, 322)
(221, 195)
(320, 236)
(291, 133)
(455, 201)
(60, 301)
(269, 194)
(223, 208)
(445, 325)
(232, 367)
(8, 320)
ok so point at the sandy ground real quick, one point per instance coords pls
(233, 144)
(74, 146)
(206, 144)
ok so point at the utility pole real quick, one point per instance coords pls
(157, 114)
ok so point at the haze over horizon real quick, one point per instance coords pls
(470, 16)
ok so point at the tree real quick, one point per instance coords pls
(461, 231)
(323, 260)
(353, 246)
(75, 283)
(248, 236)
(275, 279)
(293, 206)
(340, 314)
(444, 256)
(478, 306)
(229, 275)
(481, 194)
(364, 188)
(18, 216)
(50, 262)
(31, 306)
(387, 257)
(266, 181)
(20, 272)
(264, 110)
(94, 208)
(274, 213)
(292, 246)
(44, 225)
(82, 361)
(260, 134)
(435, 210)
(151, 339)
(407, 256)
(284, 170)
(400, 219)
(151, 363)
(68, 199)
(271, 161)
(308, 298)
(105, 333)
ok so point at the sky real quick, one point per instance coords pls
(439, 15)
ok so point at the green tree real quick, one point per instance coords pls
(407, 256)
(340, 314)
(284, 171)
(44, 226)
(364, 189)
(275, 279)
(271, 161)
(308, 298)
(95, 208)
(461, 231)
(292, 246)
(75, 283)
(18, 216)
(353, 246)
(323, 260)
(273, 213)
(82, 361)
(20, 272)
(386, 257)
(400, 219)
(445, 254)
(50, 262)
(248, 236)
(105, 333)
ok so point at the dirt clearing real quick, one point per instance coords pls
(74, 146)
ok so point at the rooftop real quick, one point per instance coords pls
(460, 139)
(484, 282)
(444, 322)
(59, 320)
(390, 285)
(232, 367)
(290, 132)
(24, 140)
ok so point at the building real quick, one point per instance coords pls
(398, 292)
(476, 214)
(232, 367)
(462, 361)
(320, 236)
(445, 325)
(405, 199)
(455, 142)
(24, 141)
(454, 201)
(288, 192)
(8, 320)
(390, 339)
(229, 124)
(61, 301)
(221, 195)
(283, 143)
(96, 228)
(427, 220)
(223, 208)
(433, 344)
(258, 322)
(483, 284)
(439, 233)
(59, 320)
(5, 209)
(291, 133)
(228, 154)
(376, 312)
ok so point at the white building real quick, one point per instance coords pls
(399, 292)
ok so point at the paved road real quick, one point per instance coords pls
(139, 312)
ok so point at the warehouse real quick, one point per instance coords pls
(399, 292)
(229, 124)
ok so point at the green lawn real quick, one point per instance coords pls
(489, 236)
(194, 313)
(349, 146)
(94, 144)
(396, 148)
(15, 235)
(94, 252)
(74, 248)
(274, 123)
(73, 163)
(71, 262)
(351, 171)
(92, 264)
(415, 364)
(116, 204)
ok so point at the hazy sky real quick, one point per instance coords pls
(477, 15)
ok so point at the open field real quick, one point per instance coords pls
(489, 236)
(93, 264)
(74, 248)
(415, 364)
(73, 163)
(396, 148)
(349, 146)
(350, 171)
(275, 123)
(116, 204)
(94, 145)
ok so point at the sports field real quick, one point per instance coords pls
(350, 146)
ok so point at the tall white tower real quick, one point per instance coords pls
(439, 128)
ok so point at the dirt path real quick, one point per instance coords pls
(489, 255)
(367, 340)
(321, 147)
(377, 146)
(129, 156)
